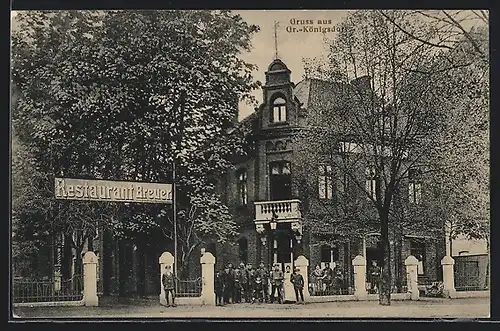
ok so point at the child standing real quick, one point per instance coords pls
(168, 280)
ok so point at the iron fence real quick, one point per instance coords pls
(471, 273)
(189, 288)
(320, 287)
(36, 290)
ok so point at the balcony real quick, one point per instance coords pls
(285, 211)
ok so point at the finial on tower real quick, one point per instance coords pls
(276, 40)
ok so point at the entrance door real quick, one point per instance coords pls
(280, 183)
(282, 251)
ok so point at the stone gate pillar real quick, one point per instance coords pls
(411, 264)
(448, 276)
(166, 259)
(207, 261)
(359, 264)
(90, 297)
(302, 263)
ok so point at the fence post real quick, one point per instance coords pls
(90, 297)
(166, 259)
(359, 264)
(207, 261)
(411, 264)
(448, 277)
(302, 263)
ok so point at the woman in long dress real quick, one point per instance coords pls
(318, 280)
(289, 294)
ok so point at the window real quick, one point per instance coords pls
(243, 250)
(279, 110)
(417, 249)
(370, 182)
(344, 184)
(325, 182)
(242, 187)
(414, 186)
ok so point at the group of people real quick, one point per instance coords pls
(326, 280)
(246, 284)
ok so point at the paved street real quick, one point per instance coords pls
(141, 308)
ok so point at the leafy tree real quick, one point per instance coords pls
(100, 97)
(389, 119)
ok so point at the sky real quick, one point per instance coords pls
(292, 46)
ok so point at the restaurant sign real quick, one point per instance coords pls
(107, 190)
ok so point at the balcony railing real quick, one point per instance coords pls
(284, 210)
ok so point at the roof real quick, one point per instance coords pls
(315, 95)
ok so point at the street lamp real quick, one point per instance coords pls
(273, 224)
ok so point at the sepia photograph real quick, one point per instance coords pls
(249, 164)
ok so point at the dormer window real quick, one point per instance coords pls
(279, 110)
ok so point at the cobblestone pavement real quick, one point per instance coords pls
(140, 308)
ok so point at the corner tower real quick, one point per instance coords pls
(278, 108)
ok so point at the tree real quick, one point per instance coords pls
(100, 98)
(388, 121)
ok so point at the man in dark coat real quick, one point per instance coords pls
(168, 281)
(298, 285)
(227, 279)
(219, 287)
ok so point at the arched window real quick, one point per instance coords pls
(241, 178)
(243, 250)
(279, 110)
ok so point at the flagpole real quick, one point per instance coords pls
(174, 217)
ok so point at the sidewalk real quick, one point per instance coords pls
(144, 308)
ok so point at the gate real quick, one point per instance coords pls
(26, 290)
(189, 288)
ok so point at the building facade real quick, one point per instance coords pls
(276, 215)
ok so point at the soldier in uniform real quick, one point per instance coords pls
(264, 276)
(258, 289)
(243, 276)
(168, 280)
(237, 285)
(277, 283)
(298, 285)
(251, 284)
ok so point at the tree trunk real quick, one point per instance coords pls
(385, 277)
